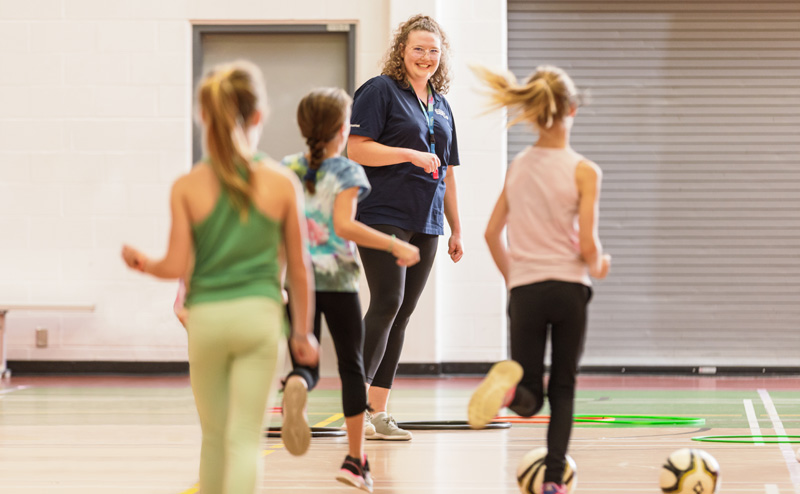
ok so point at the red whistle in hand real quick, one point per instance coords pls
(436, 174)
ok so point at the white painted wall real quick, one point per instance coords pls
(95, 126)
(471, 295)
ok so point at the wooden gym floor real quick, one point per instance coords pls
(87, 435)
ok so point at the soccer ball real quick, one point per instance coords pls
(530, 472)
(690, 471)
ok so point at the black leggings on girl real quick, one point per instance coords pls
(342, 312)
(394, 291)
(533, 309)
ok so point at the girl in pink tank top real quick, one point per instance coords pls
(550, 206)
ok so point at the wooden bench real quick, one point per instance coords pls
(5, 308)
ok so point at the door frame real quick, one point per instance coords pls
(200, 30)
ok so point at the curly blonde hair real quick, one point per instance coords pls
(393, 64)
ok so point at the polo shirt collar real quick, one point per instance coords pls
(402, 86)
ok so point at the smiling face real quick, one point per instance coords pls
(421, 55)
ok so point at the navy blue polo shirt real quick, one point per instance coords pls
(403, 195)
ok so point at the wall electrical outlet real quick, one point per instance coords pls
(41, 337)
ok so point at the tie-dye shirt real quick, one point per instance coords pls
(336, 267)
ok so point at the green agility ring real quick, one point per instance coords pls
(747, 439)
(640, 420)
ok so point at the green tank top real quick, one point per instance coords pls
(235, 258)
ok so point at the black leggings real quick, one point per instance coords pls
(342, 312)
(533, 309)
(394, 291)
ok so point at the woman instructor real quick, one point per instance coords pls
(403, 133)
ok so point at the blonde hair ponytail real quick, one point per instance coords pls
(229, 96)
(547, 96)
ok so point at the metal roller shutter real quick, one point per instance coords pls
(695, 119)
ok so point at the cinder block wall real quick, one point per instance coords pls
(95, 100)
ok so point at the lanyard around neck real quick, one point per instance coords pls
(429, 118)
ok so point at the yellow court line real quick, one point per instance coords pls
(270, 451)
(332, 418)
(194, 490)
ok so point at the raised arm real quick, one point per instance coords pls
(177, 260)
(588, 177)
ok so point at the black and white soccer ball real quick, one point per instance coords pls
(689, 471)
(530, 472)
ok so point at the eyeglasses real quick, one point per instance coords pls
(420, 52)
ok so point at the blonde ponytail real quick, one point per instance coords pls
(229, 96)
(542, 103)
(547, 96)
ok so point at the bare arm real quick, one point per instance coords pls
(588, 178)
(346, 226)
(176, 262)
(298, 264)
(454, 246)
(368, 152)
(282, 264)
(494, 235)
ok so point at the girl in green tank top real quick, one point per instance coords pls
(233, 258)
(230, 214)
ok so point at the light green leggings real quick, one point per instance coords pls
(235, 348)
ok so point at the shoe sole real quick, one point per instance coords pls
(367, 435)
(488, 398)
(382, 437)
(295, 433)
(347, 479)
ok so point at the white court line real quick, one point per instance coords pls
(771, 488)
(788, 453)
(755, 430)
(11, 390)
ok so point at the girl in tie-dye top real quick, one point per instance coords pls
(333, 187)
(334, 258)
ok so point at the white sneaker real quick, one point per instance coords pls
(488, 398)
(386, 428)
(369, 429)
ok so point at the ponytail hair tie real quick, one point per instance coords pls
(311, 176)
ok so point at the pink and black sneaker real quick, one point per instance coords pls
(355, 472)
(553, 488)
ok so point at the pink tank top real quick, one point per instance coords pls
(542, 201)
